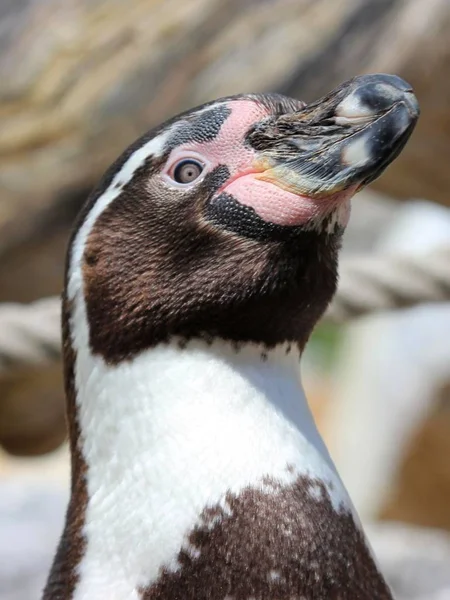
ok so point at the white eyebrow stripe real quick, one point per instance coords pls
(154, 147)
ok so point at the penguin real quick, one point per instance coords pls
(195, 274)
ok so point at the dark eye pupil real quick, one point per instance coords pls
(187, 171)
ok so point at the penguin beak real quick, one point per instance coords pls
(343, 141)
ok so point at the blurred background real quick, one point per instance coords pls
(79, 81)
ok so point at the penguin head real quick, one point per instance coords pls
(226, 221)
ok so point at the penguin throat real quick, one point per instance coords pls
(180, 428)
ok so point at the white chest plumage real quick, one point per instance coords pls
(168, 434)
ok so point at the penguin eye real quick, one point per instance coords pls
(187, 170)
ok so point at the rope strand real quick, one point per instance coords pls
(370, 284)
(30, 333)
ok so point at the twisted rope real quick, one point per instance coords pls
(30, 334)
(370, 284)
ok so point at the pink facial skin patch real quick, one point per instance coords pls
(270, 201)
(281, 207)
(228, 147)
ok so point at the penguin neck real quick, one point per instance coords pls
(187, 392)
(177, 426)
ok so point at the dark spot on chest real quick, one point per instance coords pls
(279, 542)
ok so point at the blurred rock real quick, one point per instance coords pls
(415, 561)
(421, 492)
(75, 92)
(32, 411)
(31, 518)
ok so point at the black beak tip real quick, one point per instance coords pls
(406, 90)
(413, 104)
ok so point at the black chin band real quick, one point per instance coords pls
(226, 212)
